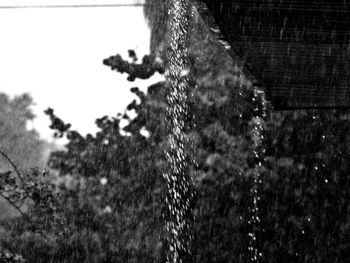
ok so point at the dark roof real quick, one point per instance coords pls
(297, 50)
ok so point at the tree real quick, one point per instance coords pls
(22, 145)
(113, 189)
(133, 166)
(145, 70)
(305, 152)
(42, 214)
(25, 196)
(118, 191)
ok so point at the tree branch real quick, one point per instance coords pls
(24, 215)
(145, 70)
(13, 165)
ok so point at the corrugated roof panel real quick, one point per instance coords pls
(299, 51)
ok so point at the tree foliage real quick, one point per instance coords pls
(22, 145)
(113, 192)
(145, 70)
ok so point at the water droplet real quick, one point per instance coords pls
(103, 181)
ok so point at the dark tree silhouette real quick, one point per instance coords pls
(145, 70)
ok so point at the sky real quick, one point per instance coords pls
(56, 54)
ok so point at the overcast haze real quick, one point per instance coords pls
(56, 55)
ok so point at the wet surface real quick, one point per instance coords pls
(297, 50)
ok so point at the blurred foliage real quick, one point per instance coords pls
(22, 145)
(42, 214)
(112, 189)
(8, 257)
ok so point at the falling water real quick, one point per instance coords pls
(259, 103)
(178, 182)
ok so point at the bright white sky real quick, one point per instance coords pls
(56, 55)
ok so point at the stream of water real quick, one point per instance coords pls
(177, 177)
